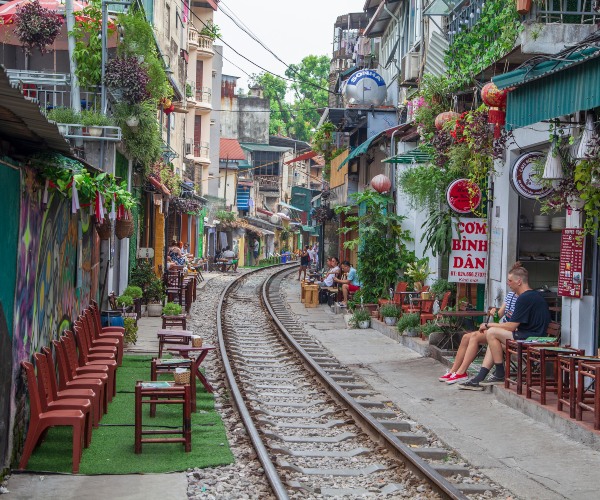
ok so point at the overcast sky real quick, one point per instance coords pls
(292, 30)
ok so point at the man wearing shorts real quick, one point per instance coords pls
(350, 284)
(530, 319)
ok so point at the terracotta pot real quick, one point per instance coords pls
(523, 6)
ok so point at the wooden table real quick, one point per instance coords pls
(168, 393)
(202, 352)
(178, 337)
(158, 366)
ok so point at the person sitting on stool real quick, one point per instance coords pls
(351, 283)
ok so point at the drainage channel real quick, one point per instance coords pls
(318, 430)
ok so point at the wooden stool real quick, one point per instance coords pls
(518, 348)
(588, 398)
(166, 393)
(568, 366)
(312, 296)
(159, 366)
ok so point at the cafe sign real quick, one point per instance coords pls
(469, 256)
(463, 196)
(522, 177)
(570, 271)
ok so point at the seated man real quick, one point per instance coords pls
(331, 273)
(230, 256)
(351, 283)
(530, 319)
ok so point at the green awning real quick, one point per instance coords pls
(416, 155)
(545, 90)
(359, 150)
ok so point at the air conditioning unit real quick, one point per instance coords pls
(411, 64)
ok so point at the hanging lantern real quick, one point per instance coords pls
(497, 117)
(445, 117)
(170, 109)
(492, 96)
(381, 183)
(553, 167)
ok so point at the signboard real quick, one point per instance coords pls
(495, 260)
(469, 256)
(463, 196)
(145, 253)
(522, 177)
(570, 269)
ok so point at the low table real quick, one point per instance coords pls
(154, 393)
(202, 352)
(177, 337)
(158, 366)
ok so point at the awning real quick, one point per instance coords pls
(285, 205)
(260, 230)
(364, 147)
(250, 146)
(416, 155)
(159, 185)
(265, 212)
(544, 90)
(304, 156)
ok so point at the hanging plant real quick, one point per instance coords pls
(127, 76)
(165, 173)
(36, 26)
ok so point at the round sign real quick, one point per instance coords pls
(365, 87)
(463, 196)
(522, 177)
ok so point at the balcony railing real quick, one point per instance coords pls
(78, 131)
(197, 149)
(203, 94)
(205, 44)
(268, 182)
(542, 11)
(193, 37)
(190, 90)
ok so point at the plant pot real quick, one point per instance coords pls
(95, 131)
(364, 324)
(104, 229)
(132, 121)
(63, 129)
(372, 308)
(418, 286)
(523, 6)
(435, 338)
(123, 228)
(154, 310)
(426, 295)
(390, 320)
(411, 332)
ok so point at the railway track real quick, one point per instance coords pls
(318, 430)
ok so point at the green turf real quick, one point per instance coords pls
(111, 451)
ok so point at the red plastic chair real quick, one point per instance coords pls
(49, 402)
(98, 334)
(67, 382)
(99, 368)
(75, 393)
(97, 320)
(40, 422)
(428, 316)
(104, 342)
(93, 351)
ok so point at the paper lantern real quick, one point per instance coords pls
(497, 117)
(492, 96)
(553, 167)
(445, 117)
(381, 183)
(170, 109)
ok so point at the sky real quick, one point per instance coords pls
(291, 29)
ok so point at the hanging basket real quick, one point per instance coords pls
(104, 229)
(124, 228)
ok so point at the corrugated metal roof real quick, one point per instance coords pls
(263, 147)
(436, 51)
(230, 149)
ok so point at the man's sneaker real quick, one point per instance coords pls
(341, 304)
(443, 378)
(469, 385)
(493, 379)
(457, 377)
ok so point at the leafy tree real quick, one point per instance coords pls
(297, 117)
(381, 243)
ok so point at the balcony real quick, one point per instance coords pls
(267, 182)
(193, 38)
(205, 47)
(549, 24)
(78, 131)
(203, 100)
(198, 151)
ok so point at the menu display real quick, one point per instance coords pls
(570, 271)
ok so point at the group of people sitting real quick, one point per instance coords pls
(344, 275)
(524, 314)
(227, 258)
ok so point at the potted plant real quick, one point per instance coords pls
(94, 121)
(171, 309)
(418, 271)
(440, 286)
(408, 324)
(36, 26)
(390, 314)
(155, 293)
(210, 30)
(125, 301)
(152, 287)
(431, 331)
(136, 293)
(523, 6)
(361, 318)
(126, 77)
(62, 117)
(131, 331)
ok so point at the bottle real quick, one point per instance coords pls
(496, 316)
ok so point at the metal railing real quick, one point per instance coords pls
(468, 14)
(197, 149)
(203, 94)
(96, 133)
(270, 182)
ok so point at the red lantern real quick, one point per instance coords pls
(492, 96)
(381, 183)
(443, 118)
(170, 109)
(497, 117)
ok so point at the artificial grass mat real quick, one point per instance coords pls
(112, 451)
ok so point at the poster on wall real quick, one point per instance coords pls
(469, 256)
(570, 270)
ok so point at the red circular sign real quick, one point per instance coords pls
(463, 196)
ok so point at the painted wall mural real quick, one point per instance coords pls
(57, 276)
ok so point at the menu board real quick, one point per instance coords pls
(570, 271)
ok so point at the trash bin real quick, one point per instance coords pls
(111, 318)
(283, 258)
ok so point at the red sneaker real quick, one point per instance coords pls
(444, 378)
(457, 377)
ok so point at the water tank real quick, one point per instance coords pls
(365, 87)
(275, 219)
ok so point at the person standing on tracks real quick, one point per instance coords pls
(304, 262)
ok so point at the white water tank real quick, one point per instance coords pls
(365, 87)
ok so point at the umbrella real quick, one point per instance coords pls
(8, 11)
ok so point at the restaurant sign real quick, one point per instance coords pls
(523, 178)
(469, 256)
(570, 270)
(463, 196)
